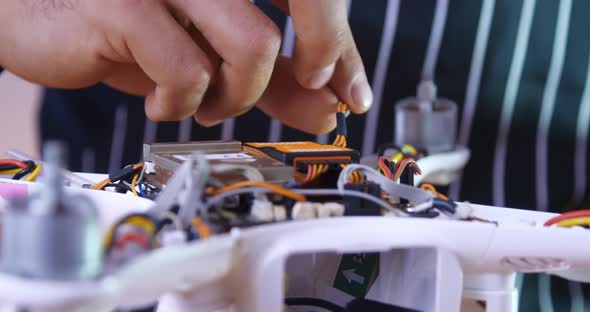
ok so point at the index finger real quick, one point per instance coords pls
(320, 27)
(152, 38)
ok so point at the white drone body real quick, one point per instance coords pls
(425, 264)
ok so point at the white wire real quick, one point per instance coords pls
(318, 192)
(422, 199)
(141, 175)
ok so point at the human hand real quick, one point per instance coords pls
(326, 68)
(212, 58)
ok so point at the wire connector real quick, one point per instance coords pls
(150, 167)
(303, 211)
(262, 210)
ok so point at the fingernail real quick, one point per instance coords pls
(207, 123)
(322, 77)
(362, 95)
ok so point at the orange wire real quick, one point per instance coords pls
(275, 188)
(401, 167)
(102, 184)
(568, 215)
(340, 139)
(202, 228)
(432, 189)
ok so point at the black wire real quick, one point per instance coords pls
(341, 127)
(30, 167)
(8, 167)
(314, 302)
(390, 164)
(444, 205)
(119, 187)
(430, 213)
(122, 174)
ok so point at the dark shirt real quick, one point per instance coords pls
(529, 149)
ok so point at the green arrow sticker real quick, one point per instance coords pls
(357, 273)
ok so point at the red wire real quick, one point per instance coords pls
(568, 215)
(384, 167)
(308, 176)
(132, 237)
(13, 162)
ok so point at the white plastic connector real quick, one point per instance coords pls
(150, 167)
(280, 213)
(303, 211)
(463, 211)
(262, 210)
(334, 209)
(322, 210)
(330, 209)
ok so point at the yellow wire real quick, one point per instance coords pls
(143, 223)
(574, 222)
(397, 157)
(10, 171)
(341, 107)
(336, 140)
(102, 184)
(340, 141)
(137, 221)
(30, 178)
(354, 177)
(409, 149)
(202, 228)
(35, 173)
(134, 185)
(322, 170)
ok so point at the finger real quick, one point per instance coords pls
(130, 78)
(320, 28)
(247, 41)
(350, 80)
(167, 54)
(312, 111)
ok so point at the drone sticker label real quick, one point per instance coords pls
(357, 273)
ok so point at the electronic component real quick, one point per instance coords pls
(52, 235)
(300, 154)
(356, 206)
(426, 122)
(167, 157)
(310, 160)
